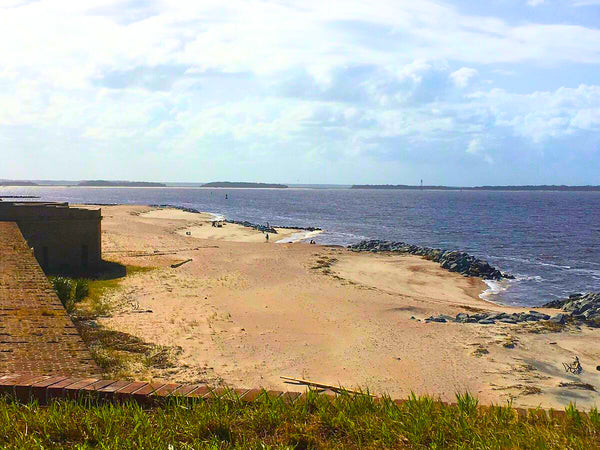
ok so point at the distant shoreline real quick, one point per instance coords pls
(238, 184)
(258, 186)
(478, 188)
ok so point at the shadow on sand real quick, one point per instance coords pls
(106, 270)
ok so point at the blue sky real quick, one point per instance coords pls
(455, 93)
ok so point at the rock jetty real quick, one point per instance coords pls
(452, 260)
(256, 226)
(581, 308)
(181, 208)
(491, 318)
(578, 309)
(270, 229)
(245, 223)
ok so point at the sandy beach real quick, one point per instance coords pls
(245, 312)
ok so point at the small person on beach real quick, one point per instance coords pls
(266, 237)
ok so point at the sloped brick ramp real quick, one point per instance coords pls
(36, 334)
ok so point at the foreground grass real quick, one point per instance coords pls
(317, 422)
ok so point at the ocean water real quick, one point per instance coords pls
(549, 240)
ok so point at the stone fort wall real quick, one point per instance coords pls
(63, 238)
(36, 334)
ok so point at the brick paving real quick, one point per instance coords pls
(44, 389)
(36, 334)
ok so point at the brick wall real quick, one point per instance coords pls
(36, 334)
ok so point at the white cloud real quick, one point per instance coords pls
(542, 116)
(259, 80)
(534, 2)
(475, 147)
(586, 2)
(462, 76)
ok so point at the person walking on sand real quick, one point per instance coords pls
(266, 237)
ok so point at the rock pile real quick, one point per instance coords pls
(493, 317)
(255, 226)
(181, 208)
(269, 229)
(300, 228)
(454, 261)
(578, 309)
(581, 308)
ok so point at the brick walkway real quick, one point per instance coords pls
(36, 334)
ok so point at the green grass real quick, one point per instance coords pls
(118, 354)
(91, 303)
(317, 422)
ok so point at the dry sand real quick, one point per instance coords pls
(200, 226)
(245, 312)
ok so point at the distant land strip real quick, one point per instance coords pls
(121, 183)
(17, 183)
(543, 187)
(237, 184)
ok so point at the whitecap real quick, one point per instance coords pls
(298, 237)
(494, 288)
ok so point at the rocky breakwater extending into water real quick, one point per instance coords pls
(269, 229)
(245, 223)
(452, 260)
(578, 309)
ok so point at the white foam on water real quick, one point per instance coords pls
(535, 278)
(494, 288)
(535, 262)
(298, 237)
(216, 217)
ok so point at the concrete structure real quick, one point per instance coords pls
(64, 239)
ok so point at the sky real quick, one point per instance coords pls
(383, 92)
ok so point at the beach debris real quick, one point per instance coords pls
(179, 264)
(574, 367)
(510, 342)
(331, 387)
(577, 385)
(454, 261)
(480, 351)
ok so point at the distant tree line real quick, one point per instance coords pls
(543, 187)
(237, 184)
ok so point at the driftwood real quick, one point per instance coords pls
(136, 253)
(325, 386)
(175, 266)
(574, 367)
